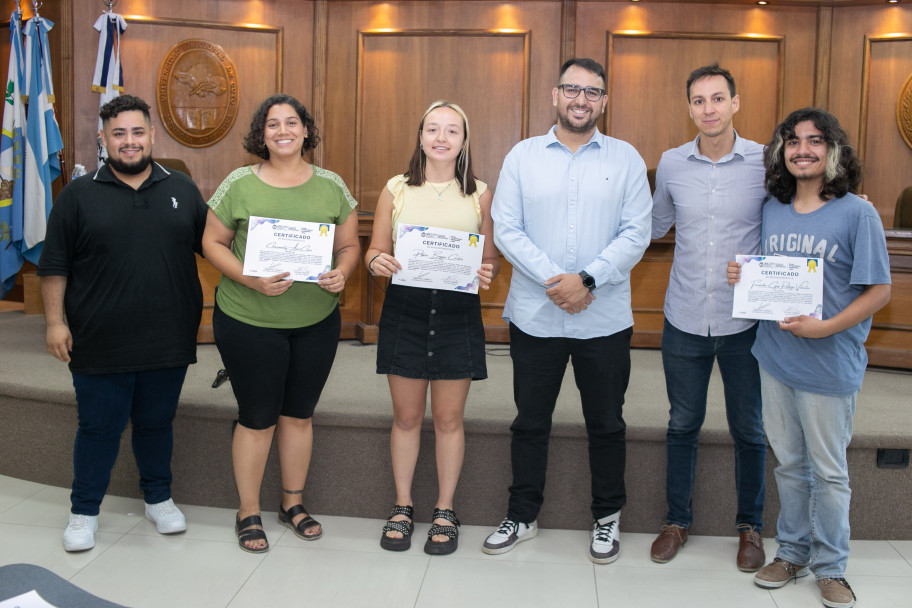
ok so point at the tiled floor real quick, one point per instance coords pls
(203, 568)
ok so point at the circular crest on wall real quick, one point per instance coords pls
(197, 93)
(904, 111)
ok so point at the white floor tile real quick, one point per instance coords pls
(662, 586)
(44, 547)
(876, 558)
(13, 491)
(492, 583)
(134, 565)
(301, 577)
(550, 546)
(904, 547)
(210, 523)
(155, 571)
(50, 507)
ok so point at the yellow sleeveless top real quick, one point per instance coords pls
(437, 205)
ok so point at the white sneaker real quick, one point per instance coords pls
(606, 539)
(80, 532)
(167, 517)
(507, 535)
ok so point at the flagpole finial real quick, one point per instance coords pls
(36, 4)
(110, 4)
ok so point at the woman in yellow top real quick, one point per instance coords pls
(431, 337)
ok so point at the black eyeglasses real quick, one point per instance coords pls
(572, 91)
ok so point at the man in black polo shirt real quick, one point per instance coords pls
(122, 301)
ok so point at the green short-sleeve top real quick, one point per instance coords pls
(322, 198)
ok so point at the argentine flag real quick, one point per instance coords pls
(43, 137)
(108, 78)
(12, 153)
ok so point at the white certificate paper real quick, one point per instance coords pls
(438, 258)
(302, 248)
(775, 287)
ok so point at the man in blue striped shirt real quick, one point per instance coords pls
(712, 190)
(571, 214)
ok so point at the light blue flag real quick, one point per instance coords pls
(12, 152)
(42, 166)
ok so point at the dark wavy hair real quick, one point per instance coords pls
(255, 142)
(123, 103)
(464, 173)
(843, 168)
(711, 70)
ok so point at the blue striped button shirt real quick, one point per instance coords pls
(558, 212)
(716, 209)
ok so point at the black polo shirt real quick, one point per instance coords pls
(133, 299)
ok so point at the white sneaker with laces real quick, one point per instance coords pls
(80, 532)
(166, 516)
(606, 539)
(507, 535)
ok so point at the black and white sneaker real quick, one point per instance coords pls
(507, 535)
(606, 539)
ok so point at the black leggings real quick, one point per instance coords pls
(276, 372)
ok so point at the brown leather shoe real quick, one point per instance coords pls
(666, 545)
(751, 556)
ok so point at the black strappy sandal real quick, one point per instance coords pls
(445, 548)
(403, 527)
(308, 522)
(246, 532)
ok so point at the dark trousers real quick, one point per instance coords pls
(601, 368)
(688, 362)
(105, 403)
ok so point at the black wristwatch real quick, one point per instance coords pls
(588, 281)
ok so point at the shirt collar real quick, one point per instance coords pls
(551, 138)
(104, 174)
(738, 149)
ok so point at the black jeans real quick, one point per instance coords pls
(601, 368)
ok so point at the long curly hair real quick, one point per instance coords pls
(255, 141)
(843, 168)
(464, 173)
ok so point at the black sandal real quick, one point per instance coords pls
(308, 522)
(246, 532)
(445, 548)
(403, 527)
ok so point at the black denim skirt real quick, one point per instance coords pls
(431, 334)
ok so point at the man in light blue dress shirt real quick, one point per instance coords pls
(712, 190)
(572, 215)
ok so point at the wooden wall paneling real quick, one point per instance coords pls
(887, 66)
(255, 52)
(663, 104)
(394, 68)
(871, 121)
(822, 62)
(646, 70)
(153, 27)
(365, 36)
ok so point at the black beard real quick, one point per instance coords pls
(574, 128)
(134, 168)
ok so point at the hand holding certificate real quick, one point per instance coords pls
(438, 258)
(303, 249)
(773, 288)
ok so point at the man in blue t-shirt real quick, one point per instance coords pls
(811, 368)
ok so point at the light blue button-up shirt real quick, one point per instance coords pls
(558, 212)
(716, 208)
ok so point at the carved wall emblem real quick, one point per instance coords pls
(197, 93)
(904, 111)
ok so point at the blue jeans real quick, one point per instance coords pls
(105, 403)
(601, 368)
(809, 434)
(688, 362)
